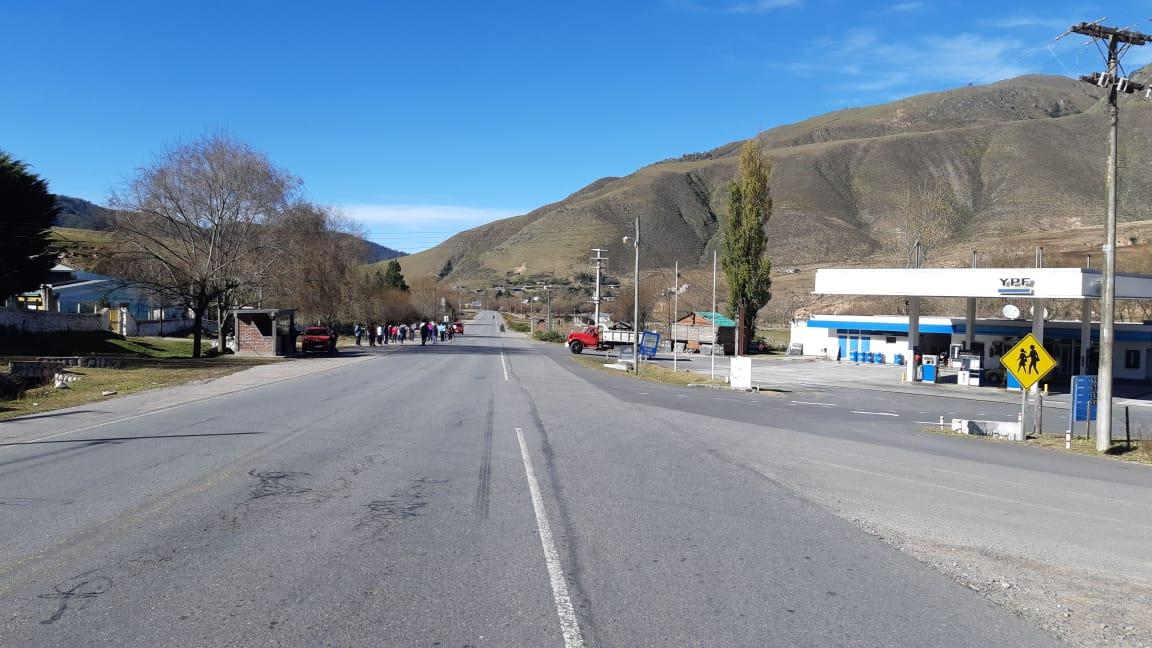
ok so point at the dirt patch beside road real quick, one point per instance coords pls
(1085, 608)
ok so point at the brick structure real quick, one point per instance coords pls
(264, 332)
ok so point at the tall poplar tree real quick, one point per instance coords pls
(745, 263)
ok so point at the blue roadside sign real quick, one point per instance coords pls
(649, 342)
(1083, 398)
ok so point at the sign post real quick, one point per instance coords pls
(1028, 362)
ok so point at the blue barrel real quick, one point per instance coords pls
(854, 356)
(898, 359)
(879, 358)
(868, 357)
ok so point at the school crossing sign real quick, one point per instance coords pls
(1028, 362)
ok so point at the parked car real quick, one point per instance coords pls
(458, 327)
(320, 339)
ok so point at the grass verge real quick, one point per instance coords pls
(651, 372)
(1140, 451)
(138, 376)
(72, 343)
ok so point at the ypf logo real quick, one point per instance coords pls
(1016, 286)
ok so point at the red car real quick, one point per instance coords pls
(318, 338)
(458, 327)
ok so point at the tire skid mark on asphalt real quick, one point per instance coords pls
(484, 480)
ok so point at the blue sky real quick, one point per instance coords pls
(421, 119)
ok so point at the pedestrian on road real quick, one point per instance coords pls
(358, 331)
(403, 332)
(380, 335)
(423, 334)
(371, 334)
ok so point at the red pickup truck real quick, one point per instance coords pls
(318, 338)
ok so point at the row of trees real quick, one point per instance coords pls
(214, 225)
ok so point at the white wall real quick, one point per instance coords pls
(26, 321)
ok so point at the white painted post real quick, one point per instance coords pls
(913, 336)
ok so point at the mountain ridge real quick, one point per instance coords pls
(1025, 152)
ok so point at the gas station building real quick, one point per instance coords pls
(889, 339)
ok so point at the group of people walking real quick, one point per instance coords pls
(381, 334)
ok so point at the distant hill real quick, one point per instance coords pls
(80, 214)
(1014, 157)
(77, 213)
(376, 253)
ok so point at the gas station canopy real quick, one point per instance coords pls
(1012, 283)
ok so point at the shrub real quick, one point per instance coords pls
(10, 388)
(549, 336)
(519, 327)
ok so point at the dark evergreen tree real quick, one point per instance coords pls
(27, 211)
(393, 278)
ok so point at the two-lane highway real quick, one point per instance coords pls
(480, 492)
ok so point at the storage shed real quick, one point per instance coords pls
(704, 328)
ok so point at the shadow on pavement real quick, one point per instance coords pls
(104, 440)
(50, 415)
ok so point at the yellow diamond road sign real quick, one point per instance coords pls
(1028, 361)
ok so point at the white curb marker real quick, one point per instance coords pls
(568, 624)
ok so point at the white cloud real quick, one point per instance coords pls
(1056, 25)
(413, 228)
(742, 7)
(905, 6)
(864, 61)
(760, 6)
(409, 215)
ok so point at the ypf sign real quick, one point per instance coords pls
(1016, 286)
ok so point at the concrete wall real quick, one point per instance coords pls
(156, 328)
(26, 321)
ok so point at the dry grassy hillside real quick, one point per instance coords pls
(1012, 158)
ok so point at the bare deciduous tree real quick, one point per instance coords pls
(200, 222)
(924, 214)
(320, 270)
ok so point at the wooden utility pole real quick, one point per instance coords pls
(1119, 41)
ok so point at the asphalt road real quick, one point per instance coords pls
(483, 492)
